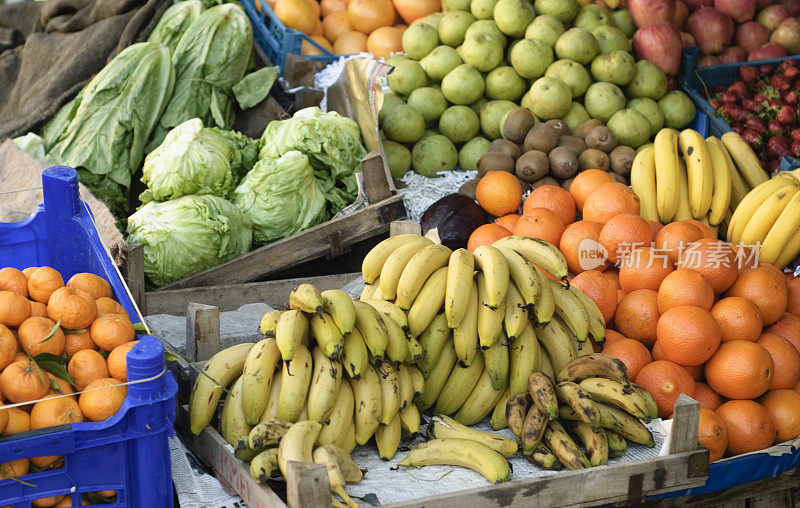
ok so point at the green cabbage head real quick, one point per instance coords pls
(191, 160)
(281, 197)
(187, 235)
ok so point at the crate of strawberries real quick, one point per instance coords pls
(759, 100)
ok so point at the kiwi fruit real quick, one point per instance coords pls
(566, 183)
(583, 129)
(619, 178)
(563, 163)
(560, 126)
(573, 144)
(544, 181)
(592, 158)
(495, 161)
(518, 122)
(468, 188)
(507, 147)
(541, 137)
(601, 138)
(622, 159)
(532, 165)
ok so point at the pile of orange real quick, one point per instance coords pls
(352, 26)
(78, 321)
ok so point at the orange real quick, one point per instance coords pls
(601, 291)
(608, 200)
(412, 10)
(329, 6)
(108, 306)
(74, 342)
(507, 221)
(738, 318)
(33, 336)
(785, 358)
(486, 234)
(540, 223)
(712, 433)
(788, 327)
(643, 268)
(13, 280)
(707, 397)
(612, 336)
(776, 273)
(745, 257)
(707, 231)
(317, 31)
(637, 316)
(555, 199)
(298, 14)
(349, 43)
(18, 421)
(665, 381)
(335, 24)
(55, 411)
(760, 286)
(14, 309)
(104, 401)
(75, 308)
(630, 352)
(28, 271)
(385, 41)
(8, 347)
(498, 192)
(67, 501)
(784, 408)
(42, 282)
(85, 366)
(368, 15)
(306, 48)
(4, 418)
(688, 335)
(623, 233)
(685, 287)
(580, 244)
(655, 227)
(38, 309)
(112, 330)
(20, 357)
(585, 183)
(612, 274)
(14, 469)
(22, 382)
(58, 386)
(46, 502)
(673, 238)
(750, 426)
(96, 286)
(118, 361)
(793, 288)
(714, 259)
(740, 369)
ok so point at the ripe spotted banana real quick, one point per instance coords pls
(324, 387)
(524, 275)
(594, 365)
(390, 393)
(259, 367)
(368, 400)
(579, 400)
(533, 429)
(616, 443)
(544, 458)
(442, 427)
(460, 452)
(267, 434)
(625, 425)
(611, 392)
(460, 270)
(650, 405)
(295, 378)
(543, 393)
(568, 453)
(264, 465)
(594, 441)
(517, 408)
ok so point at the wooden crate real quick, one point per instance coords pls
(782, 490)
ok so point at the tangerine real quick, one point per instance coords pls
(74, 342)
(53, 411)
(14, 309)
(301, 15)
(22, 382)
(14, 469)
(42, 282)
(108, 306)
(41, 335)
(712, 434)
(368, 15)
(793, 294)
(75, 308)
(13, 280)
(104, 399)
(95, 285)
(18, 421)
(350, 43)
(85, 366)
(112, 330)
(385, 41)
(8, 347)
(118, 361)
(335, 25)
(38, 309)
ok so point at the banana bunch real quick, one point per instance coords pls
(683, 176)
(769, 216)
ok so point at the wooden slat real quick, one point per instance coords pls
(376, 180)
(202, 331)
(307, 485)
(684, 424)
(272, 292)
(133, 269)
(738, 496)
(598, 485)
(304, 246)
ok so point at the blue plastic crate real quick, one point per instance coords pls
(696, 80)
(128, 452)
(275, 39)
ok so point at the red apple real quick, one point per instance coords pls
(681, 13)
(760, 4)
(739, 10)
(767, 51)
(687, 40)
(712, 29)
(661, 44)
(648, 12)
(708, 61)
(772, 15)
(733, 54)
(693, 5)
(751, 35)
(788, 35)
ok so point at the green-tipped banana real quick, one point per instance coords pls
(465, 335)
(437, 377)
(516, 317)
(495, 360)
(428, 302)
(432, 342)
(650, 406)
(525, 358)
(616, 444)
(570, 308)
(480, 401)
(458, 386)
(242, 450)
(627, 426)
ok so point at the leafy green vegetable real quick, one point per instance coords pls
(281, 197)
(115, 117)
(31, 144)
(188, 234)
(255, 87)
(191, 160)
(174, 22)
(245, 152)
(54, 128)
(332, 144)
(210, 58)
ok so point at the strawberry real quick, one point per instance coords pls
(773, 166)
(791, 98)
(739, 88)
(780, 83)
(751, 105)
(757, 124)
(791, 72)
(774, 127)
(752, 137)
(729, 97)
(796, 134)
(765, 69)
(748, 73)
(795, 149)
(789, 62)
(737, 128)
(715, 103)
(778, 146)
(787, 115)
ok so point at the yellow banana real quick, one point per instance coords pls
(746, 160)
(397, 345)
(295, 378)
(490, 320)
(394, 265)
(271, 410)
(267, 434)
(460, 270)
(375, 258)
(387, 437)
(721, 198)
(546, 366)
(297, 444)
(264, 465)
(538, 252)
(546, 304)
(339, 419)
(495, 360)
(764, 218)
(368, 291)
(699, 169)
(790, 251)
(458, 386)
(259, 367)
(327, 334)
(558, 343)
(416, 272)
(739, 187)
(368, 400)
(572, 310)
(643, 183)
(665, 152)
(390, 392)
(516, 316)
(684, 210)
(232, 421)
(417, 381)
(498, 419)
(751, 202)
(432, 341)
(327, 458)
(492, 263)
(324, 388)
(465, 335)
(306, 298)
(269, 322)
(410, 420)
(339, 305)
(428, 302)
(437, 377)
(460, 452)
(291, 331)
(524, 275)
(372, 329)
(443, 427)
(597, 323)
(354, 354)
(525, 358)
(406, 384)
(390, 310)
